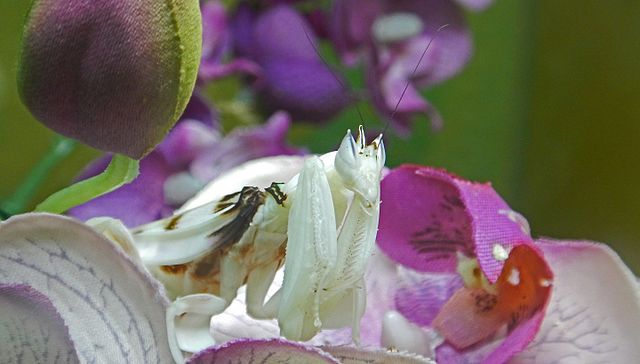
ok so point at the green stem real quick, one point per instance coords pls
(60, 149)
(120, 171)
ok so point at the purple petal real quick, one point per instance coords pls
(350, 25)
(198, 109)
(32, 329)
(187, 140)
(112, 307)
(420, 296)
(351, 355)
(594, 313)
(262, 351)
(213, 71)
(282, 33)
(450, 47)
(214, 31)
(135, 203)
(114, 75)
(428, 216)
(307, 89)
(243, 145)
(242, 24)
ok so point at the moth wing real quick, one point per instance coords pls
(311, 252)
(185, 236)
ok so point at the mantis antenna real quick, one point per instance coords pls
(315, 49)
(415, 69)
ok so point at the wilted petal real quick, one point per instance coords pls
(115, 75)
(32, 329)
(243, 145)
(113, 309)
(246, 351)
(135, 203)
(594, 313)
(307, 89)
(429, 216)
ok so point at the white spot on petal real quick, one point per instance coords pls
(500, 253)
(514, 277)
(396, 27)
(518, 219)
(545, 283)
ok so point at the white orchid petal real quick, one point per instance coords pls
(31, 329)
(594, 313)
(114, 310)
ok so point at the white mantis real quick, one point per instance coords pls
(322, 224)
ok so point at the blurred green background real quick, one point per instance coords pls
(547, 110)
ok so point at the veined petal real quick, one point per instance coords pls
(32, 328)
(262, 351)
(594, 313)
(114, 309)
(429, 216)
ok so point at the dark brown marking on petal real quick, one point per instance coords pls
(275, 191)
(173, 223)
(485, 301)
(246, 207)
(174, 269)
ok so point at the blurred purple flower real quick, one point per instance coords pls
(392, 37)
(294, 77)
(193, 153)
(216, 46)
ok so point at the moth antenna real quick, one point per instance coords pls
(315, 49)
(415, 69)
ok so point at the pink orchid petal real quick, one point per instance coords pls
(32, 329)
(351, 355)
(429, 215)
(594, 313)
(420, 296)
(246, 351)
(113, 308)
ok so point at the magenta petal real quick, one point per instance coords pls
(350, 25)
(429, 215)
(420, 296)
(186, 141)
(351, 355)
(262, 351)
(135, 203)
(32, 329)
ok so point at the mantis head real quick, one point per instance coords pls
(360, 165)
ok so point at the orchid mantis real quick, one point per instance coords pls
(321, 225)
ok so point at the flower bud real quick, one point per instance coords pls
(115, 74)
